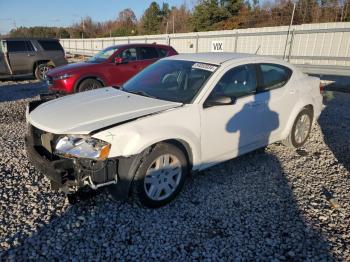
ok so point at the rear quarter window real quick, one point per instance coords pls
(163, 52)
(274, 76)
(50, 45)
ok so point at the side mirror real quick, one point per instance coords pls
(119, 60)
(219, 100)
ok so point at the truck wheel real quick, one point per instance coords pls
(300, 130)
(89, 84)
(160, 175)
(41, 70)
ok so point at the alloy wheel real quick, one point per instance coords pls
(302, 128)
(163, 177)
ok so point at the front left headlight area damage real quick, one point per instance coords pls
(73, 163)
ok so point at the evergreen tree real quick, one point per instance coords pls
(151, 20)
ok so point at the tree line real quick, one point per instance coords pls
(206, 15)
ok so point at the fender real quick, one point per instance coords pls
(129, 142)
(293, 114)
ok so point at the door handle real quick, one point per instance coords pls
(30, 54)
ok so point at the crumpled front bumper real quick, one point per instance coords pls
(54, 170)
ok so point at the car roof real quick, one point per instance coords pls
(211, 58)
(27, 38)
(139, 45)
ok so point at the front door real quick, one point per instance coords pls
(231, 130)
(120, 73)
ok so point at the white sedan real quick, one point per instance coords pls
(184, 113)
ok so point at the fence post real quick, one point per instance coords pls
(168, 39)
(197, 41)
(236, 41)
(291, 45)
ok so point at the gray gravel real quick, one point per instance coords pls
(274, 204)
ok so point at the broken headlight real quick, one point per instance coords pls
(82, 146)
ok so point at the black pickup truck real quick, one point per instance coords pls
(28, 57)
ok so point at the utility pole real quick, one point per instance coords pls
(290, 25)
(173, 23)
(166, 29)
(82, 34)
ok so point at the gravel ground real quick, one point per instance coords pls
(274, 204)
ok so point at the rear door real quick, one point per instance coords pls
(147, 55)
(21, 55)
(276, 96)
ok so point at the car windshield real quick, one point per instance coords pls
(171, 80)
(103, 55)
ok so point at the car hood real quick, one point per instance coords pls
(69, 68)
(89, 111)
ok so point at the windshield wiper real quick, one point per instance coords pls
(141, 93)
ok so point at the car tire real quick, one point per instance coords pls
(89, 84)
(41, 70)
(159, 176)
(300, 130)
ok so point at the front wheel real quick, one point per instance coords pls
(160, 176)
(300, 130)
(89, 84)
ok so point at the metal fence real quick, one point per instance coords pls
(317, 48)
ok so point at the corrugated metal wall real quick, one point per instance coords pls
(315, 44)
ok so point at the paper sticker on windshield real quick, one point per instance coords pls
(207, 67)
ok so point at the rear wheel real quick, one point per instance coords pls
(41, 70)
(89, 84)
(300, 130)
(160, 176)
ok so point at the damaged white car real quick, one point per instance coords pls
(182, 114)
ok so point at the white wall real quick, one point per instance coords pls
(315, 44)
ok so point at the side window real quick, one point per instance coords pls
(162, 52)
(237, 82)
(30, 46)
(148, 53)
(274, 76)
(50, 45)
(129, 54)
(16, 46)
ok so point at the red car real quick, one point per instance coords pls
(111, 66)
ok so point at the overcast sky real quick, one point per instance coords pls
(66, 12)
